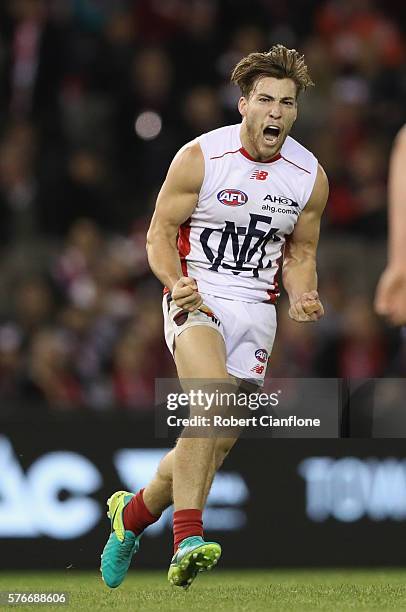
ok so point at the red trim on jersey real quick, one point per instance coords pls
(268, 161)
(226, 153)
(273, 297)
(275, 293)
(293, 164)
(184, 245)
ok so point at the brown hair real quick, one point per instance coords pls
(278, 62)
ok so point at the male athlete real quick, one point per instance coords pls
(390, 297)
(235, 201)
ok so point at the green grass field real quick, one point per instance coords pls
(222, 591)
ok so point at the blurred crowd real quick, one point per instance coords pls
(95, 98)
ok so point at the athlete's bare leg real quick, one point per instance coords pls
(195, 460)
(222, 448)
(158, 495)
(200, 354)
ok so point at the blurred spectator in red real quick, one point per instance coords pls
(358, 201)
(360, 34)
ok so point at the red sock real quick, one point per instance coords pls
(186, 523)
(136, 516)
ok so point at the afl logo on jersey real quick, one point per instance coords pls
(261, 355)
(232, 197)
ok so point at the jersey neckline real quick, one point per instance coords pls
(257, 161)
(245, 153)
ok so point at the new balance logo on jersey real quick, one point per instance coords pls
(245, 245)
(259, 175)
(258, 369)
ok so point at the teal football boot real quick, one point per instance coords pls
(194, 555)
(121, 545)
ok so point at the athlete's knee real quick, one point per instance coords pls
(164, 471)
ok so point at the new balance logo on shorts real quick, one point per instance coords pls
(258, 369)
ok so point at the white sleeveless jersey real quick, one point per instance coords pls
(233, 242)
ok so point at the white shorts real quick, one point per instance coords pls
(248, 329)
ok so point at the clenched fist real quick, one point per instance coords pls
(307, 308)
(186, 295)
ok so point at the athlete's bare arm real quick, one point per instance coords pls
(175, 204)
(390, 297)
(299, 266)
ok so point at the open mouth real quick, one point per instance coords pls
(271, 133)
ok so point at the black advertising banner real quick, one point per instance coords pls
(293, 502)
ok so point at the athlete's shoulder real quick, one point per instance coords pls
(298, 155)
(191, 152)
(220, 141)
(186, 171)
